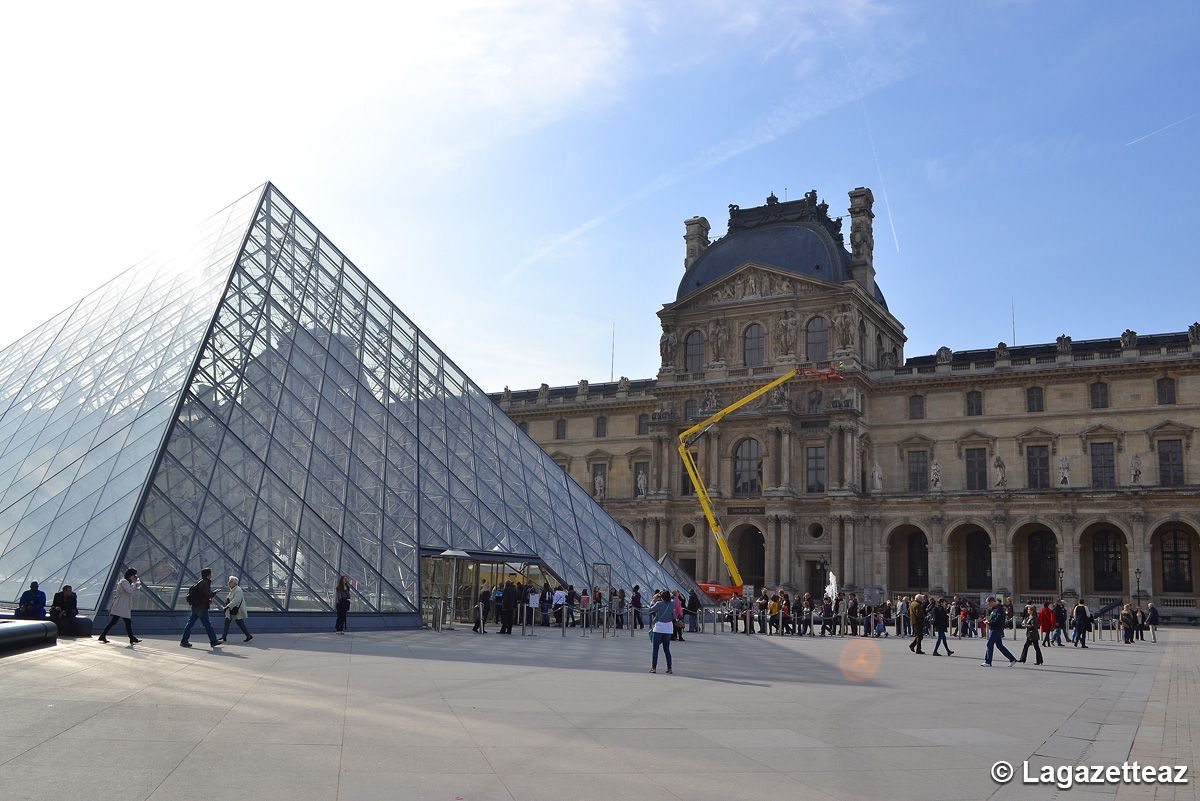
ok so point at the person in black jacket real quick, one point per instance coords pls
(199, 598)
(545, 601)
(852, 614)
(941, 622)
(508, 605)
(1032, 634)
(484, 601)
(916, 616)
(995, 627)
(63, 610)
(1152, 621)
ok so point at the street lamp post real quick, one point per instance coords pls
(1060, 582)
(1138, 575)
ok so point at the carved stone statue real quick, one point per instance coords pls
(722, 339)
(843, 330)
(1002, 351)
(1001, 472)
(876, 478)
(814, 401)
(543, 393)
(751, 285)
(785, 333)
(711, 402)
(641, 484)
(666, 346)
(1135, 469)
(887, 361)
(716, 340)
(623, 385)
(1129, 338)
(935, 476)
(944, 355)
(779, 396)
(598, 486)
(507, 397)
(1064, 343)
(1064, 471)
(582, 391)
(1194, 333)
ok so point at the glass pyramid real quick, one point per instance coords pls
(253, 404)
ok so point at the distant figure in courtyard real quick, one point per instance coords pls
(635, 603)
(662, 617)
(1082, 617)
(32, 602)
(199, 597)
(916, 617)
(481, 609)
(1032, 622)
(1046, 623)
(1152, 621)
(235, 609)
(341, 603)
(122, 605)
(941, 623)
(995, 637)
(63, 610)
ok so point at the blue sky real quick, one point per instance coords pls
(515, 175)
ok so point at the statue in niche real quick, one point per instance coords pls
(641, 484)
(876, 478)
(944, 355)
(785, 333)
(935, 476)
(543, 393)
(887, 361)
(814, 401)
(1001, 472)
(666, 346)
(779, 396)
(1064, 471)
(1129, 338)
(843, 329)
(717, 338)
(722, 338)
(507, 397)
(1002, 351)
(1064, 343)
(598, 485)
(1135, 469)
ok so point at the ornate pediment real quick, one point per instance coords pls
(1036, 436)
(1102, 433)
(916, 442)
(974, 439)
(1172, 430)
(757, 282)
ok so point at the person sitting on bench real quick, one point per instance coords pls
(63, 610)
(32, 603)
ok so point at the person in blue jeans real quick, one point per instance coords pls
(996, 619)
(662, 619)
(199, 598)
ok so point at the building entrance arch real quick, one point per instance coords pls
(970, 552)
(750, 554)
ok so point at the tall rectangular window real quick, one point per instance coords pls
(815, 469)
(1037, 465)
(918, 471)
(974, 403)
(685, 480)
(1166, 391)
(1104, 465)
(977, 469)
(916, 407)
(1035, 400)
(1170, 462)
(1099, 392)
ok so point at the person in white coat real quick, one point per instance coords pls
(235, 610)
(122, 605)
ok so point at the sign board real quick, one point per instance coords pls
(748, 592)
(746, 510)
(872, 596)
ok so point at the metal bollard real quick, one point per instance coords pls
(479, 608)
(563, 619)
(532, 620)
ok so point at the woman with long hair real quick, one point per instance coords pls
(341, 603)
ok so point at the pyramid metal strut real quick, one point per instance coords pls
(252, 403)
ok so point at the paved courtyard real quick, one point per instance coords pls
(455, 716)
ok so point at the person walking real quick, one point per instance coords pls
(508, 605)
(941, 623)
(481, 609)
(199, 597)
(635, 603)
(1033, 626)
(235, 609)
(619, 608)
(63, 610)
(122, 606)
(852, 614)
(677, 599)
(1060, 624)
(1046, 623)
(916, 620)
(1152, 621)
(341, 603)
(662, 618)
(1082, 618)
(693, 612)
(995, 636)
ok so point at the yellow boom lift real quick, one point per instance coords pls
(690, 435)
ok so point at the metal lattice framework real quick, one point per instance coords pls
(254, 404)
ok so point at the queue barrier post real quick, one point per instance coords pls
(481, 611)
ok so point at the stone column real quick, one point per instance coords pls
(938, 578)
(1139, 557)
(786, 458)
(833, 470)
(848, 560)
(1069, 557)
(771, 467)
(785, 523)
(777, 562)
(847, 457)
(1001, 557)
(835, 548)
(714, 468)
(658, 526)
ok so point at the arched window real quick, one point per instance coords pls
(879, 350)
(1035, 400)
(916, 407)
(560, 429)
(862, 341)
(1099, 393)
(979, 560)
(643, 424)
(1176, 562)
(754, 346)
(1043, 561)
(1166, 391)
(974, 403)
(816, 340)
(690, 408)
(1106, 561)
(747, 469)
(601, 426)
(693, 352)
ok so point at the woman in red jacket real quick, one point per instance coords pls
(1046, 622)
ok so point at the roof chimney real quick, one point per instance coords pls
(862, 239)
(696, 238)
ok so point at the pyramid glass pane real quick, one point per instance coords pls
(257, 406)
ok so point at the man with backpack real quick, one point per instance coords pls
(199, 597)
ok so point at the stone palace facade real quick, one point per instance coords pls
(1039, 470)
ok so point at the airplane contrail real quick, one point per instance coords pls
(1164, 128)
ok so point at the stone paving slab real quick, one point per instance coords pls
(455, 716)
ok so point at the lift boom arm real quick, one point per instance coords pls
(688, 436)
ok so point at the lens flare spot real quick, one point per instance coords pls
(860, 660)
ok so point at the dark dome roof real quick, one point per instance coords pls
(801, 245)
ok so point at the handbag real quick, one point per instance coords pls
(235, 610)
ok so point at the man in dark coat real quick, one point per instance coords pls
(941, 622)
(481, 610)
(199, 598)
(995, 627)
(916, 616)
(1060, 623)
(63, 610)
(852, 614)
(508, 605)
